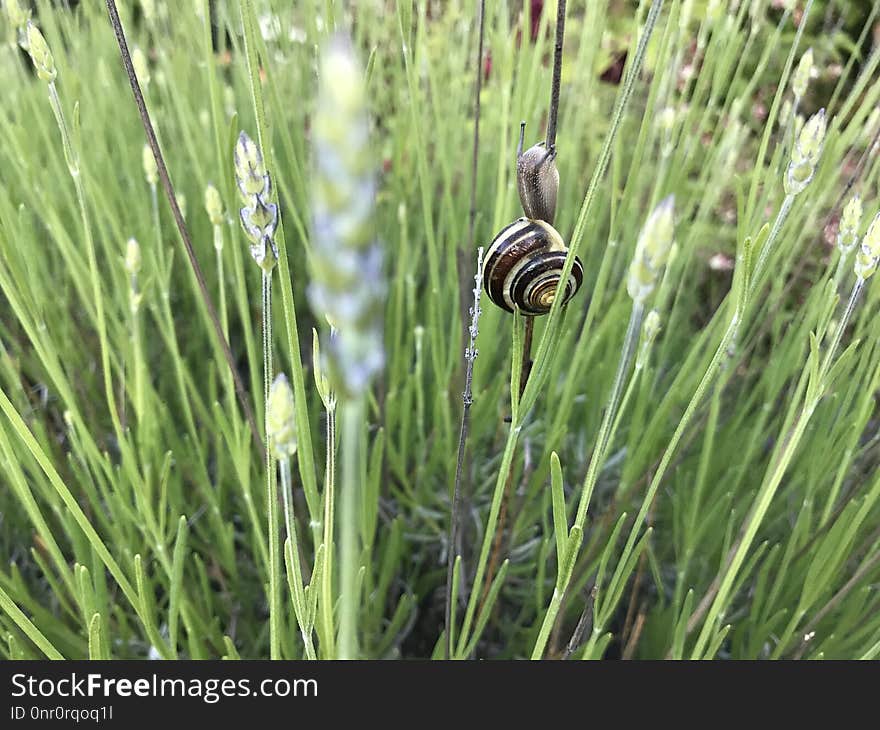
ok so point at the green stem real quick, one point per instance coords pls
(70, 502)
(840, 270)
(491, 525)
(224, 314)
(267, 339)
(27, 626)
(596, 461)
(329, 649)
(271, 484)
(72, 159)
(708, 377)
(305, 457)
(547, 624)
(771, 483)
(758, 279)
(138, 363)
(603, 441)
(171, 330)
(352, 430)
(750, 282)
(296, 587)
(761, 505)
(844, 320)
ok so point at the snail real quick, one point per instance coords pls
(524, 262)
(537, 179)
(523, 266)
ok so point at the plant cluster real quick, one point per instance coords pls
(679, 460)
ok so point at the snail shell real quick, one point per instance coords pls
(523, 266)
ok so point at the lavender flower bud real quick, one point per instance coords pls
(141, 67)
(132, 265)
(151, 171)
(848, 230)
(17, 17)
(250, 170)
(213, 205)
(40, 54)
(132, 257)
(348, 286)
(259, 216)
(652, 250)
(650, 328)
(802, 74)
(869, 129)
(805, 155)
(281, 419)
(149, 10)
(869, 252)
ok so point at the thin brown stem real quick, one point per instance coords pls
(630, 648)
(178, 219)
(464, 254)
(557, 75)
(527, 354)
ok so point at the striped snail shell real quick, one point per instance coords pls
(523, 266)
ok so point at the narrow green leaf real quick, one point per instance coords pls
(560, 519)
(96, 642)
(177, 564)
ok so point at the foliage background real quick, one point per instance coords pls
(180, 504)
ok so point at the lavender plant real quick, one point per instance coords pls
(259, 219)
(347, 287)
(692, 461)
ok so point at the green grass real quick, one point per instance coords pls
(725, 505)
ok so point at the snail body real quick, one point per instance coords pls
(523, 267)
(537, 179)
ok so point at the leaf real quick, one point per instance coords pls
(841, 362)
(313, 589)
(177, 560)
(456, 579)
(572, 548)
(395, 626)
(739, 287)
(296, 589)
(516, 364)
(676, 651)
(147, 608)
(814, 387)
(370, 502)
(609, 546)
(488, 604)
(231, 651)
(717, 641)
(96, 644)
(560, 518)
(86, 592)
(25, 624)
